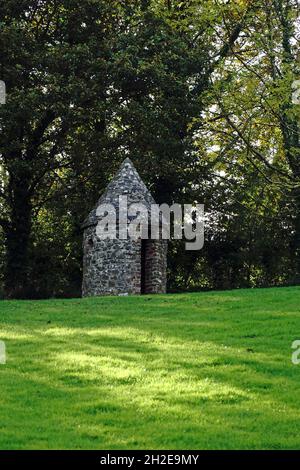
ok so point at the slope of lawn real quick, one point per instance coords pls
(192, 371)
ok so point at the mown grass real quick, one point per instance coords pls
(193, 371)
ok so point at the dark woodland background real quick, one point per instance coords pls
(199, 94)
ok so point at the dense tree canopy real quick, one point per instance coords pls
(197, 93)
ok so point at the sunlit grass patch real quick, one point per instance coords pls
(201, 370)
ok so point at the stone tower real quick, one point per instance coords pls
(118, 266)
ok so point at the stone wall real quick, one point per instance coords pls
(113, 267)
(110, 267)
(155, 266)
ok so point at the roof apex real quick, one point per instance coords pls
(127, 160)
(126, 182)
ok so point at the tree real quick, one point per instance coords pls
(254, 111)
(88, 83)
(54, 65)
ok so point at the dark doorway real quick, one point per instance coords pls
(143, 266)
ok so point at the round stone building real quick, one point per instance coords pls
(116, 266)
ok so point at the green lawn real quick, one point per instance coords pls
(192, 371)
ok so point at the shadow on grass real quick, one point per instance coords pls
(168, 376)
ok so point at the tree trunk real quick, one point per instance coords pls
(17, 235)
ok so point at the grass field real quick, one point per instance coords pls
(193, 371)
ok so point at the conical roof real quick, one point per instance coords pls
(127, 182)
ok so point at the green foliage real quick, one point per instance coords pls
(198, 94)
